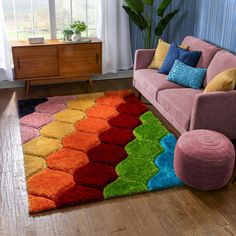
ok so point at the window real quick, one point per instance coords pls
(26, 18)
(68, 11)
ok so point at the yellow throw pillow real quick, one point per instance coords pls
(224, 81)
(160, 54)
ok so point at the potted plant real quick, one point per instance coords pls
(78, 27)
(141, 12)
(67, 34)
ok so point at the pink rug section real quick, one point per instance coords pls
(36, 120)
(62, 99)
(28, 133)
(50, 107)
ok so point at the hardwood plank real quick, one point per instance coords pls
(8, 224)
(25, 223)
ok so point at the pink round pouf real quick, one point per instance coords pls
(204, 159)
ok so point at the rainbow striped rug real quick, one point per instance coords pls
(91, 147)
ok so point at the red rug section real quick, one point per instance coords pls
(79, 194)
(95, 175)
(107, 154)
(135, 109)
(124, 121)
(117, 136)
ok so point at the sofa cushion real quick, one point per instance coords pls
(160, 54)
(224, 81)
(189, 58)
(179, 103)
(223, 60)
(208, 50)
(152, 82)
(186, 75)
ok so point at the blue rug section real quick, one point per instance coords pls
(166, 177)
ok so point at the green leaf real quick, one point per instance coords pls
(137, 19)
(164, 22)
(149, 2)
(163, 5)
(136, 6)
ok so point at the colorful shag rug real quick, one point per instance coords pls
(92, 147)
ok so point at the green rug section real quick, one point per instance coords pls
(148, 117)
(123, 187)
(144, 149)
(151, 130)
(138, 168)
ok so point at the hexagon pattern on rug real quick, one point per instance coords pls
(33, 165)
(107, 154)
(113, 101)
(57, 130)
(81, 104)
(102, 112)
(36, 120)
(92, 96)
(93, 147)
(95, 175)
(50, 107)
(69, 116)
(92, 125)
(124, 121)
(50, 184)
(81, 141)
(62, 99)
(37, 204)
(28, 133)
(116, 136)
(67, 160)
(41, 146)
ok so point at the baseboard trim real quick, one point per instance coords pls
(118, 75)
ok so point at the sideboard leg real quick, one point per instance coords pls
(27, 87)
(90, 82)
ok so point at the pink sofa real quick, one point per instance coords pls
(185, 108)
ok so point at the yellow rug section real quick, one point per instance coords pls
(33, 165)
(57, 130)
(92, 96)
(41, 146)
(69, 116)
(81, 104)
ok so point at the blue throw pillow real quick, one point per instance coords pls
(186, 75)
(189, 58)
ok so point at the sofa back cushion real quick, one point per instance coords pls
(208, 50)
(223, 60)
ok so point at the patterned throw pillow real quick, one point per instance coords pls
(189, 58)
(186, 75)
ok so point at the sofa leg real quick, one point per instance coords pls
(139, 96)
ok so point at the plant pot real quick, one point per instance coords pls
(67, 37)
(75, 37)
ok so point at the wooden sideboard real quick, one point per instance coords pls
(56, 60)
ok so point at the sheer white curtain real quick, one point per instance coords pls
(5, 63)
(113, 30)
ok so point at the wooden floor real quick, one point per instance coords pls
(180, 211)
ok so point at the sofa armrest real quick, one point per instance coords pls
(215, 111)
(143, 58)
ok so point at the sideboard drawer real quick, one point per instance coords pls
(80, 59)
(35, 61)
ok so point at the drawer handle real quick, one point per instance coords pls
(18, 63)
(97, 58)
